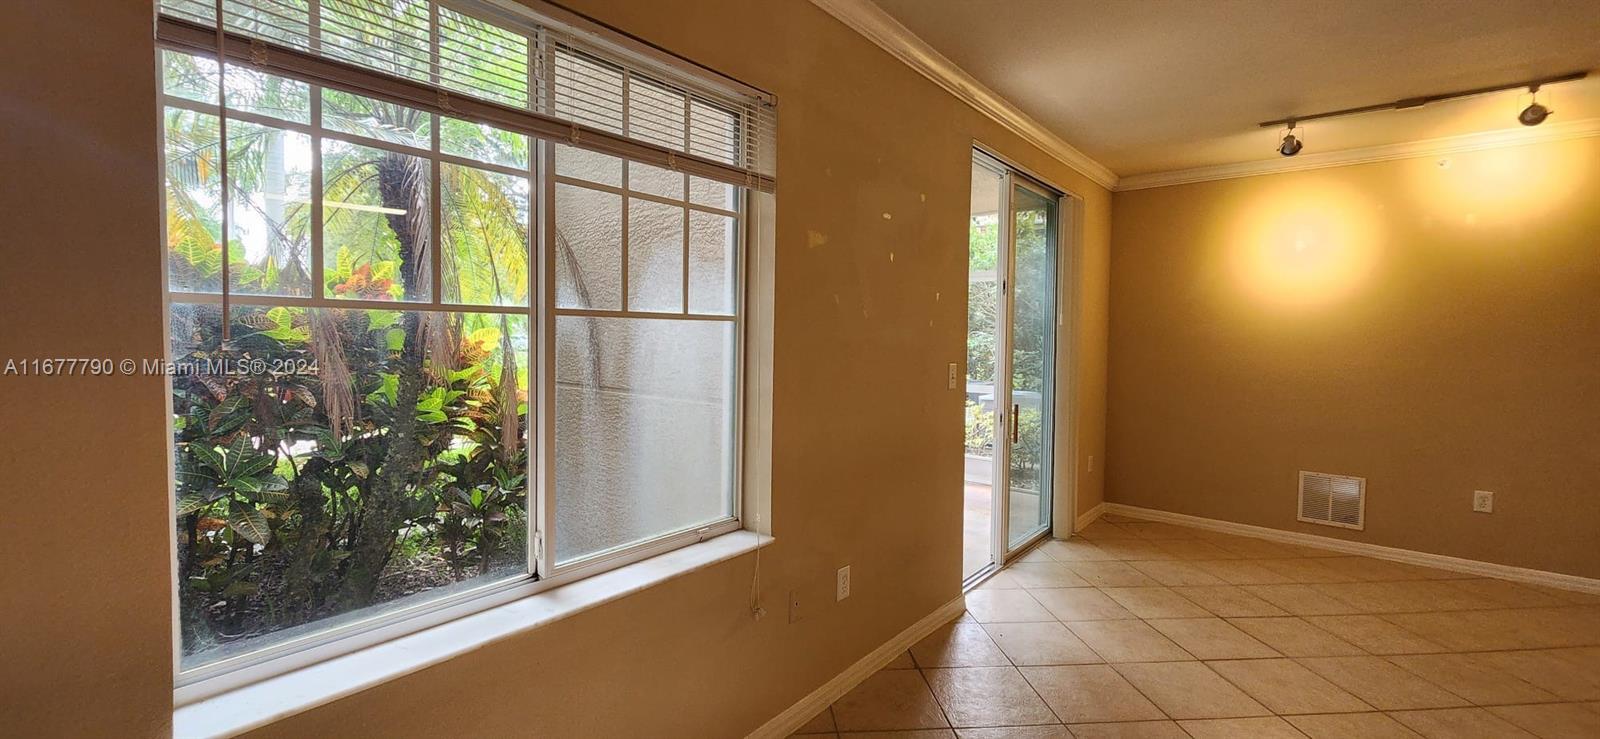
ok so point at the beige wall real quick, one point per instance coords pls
(1439, 332)
(873, 481)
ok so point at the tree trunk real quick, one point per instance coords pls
(300, 586)
(403, 188)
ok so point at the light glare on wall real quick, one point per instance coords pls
(1304, 246)
(1508, 185)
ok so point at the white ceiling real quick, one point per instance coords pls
(1158, 85)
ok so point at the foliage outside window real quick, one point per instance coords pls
(1029, 340)
(380, 451)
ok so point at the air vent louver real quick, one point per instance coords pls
(1333, 500)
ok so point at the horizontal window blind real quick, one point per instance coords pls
(505, 67)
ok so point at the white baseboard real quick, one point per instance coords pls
(1089, 517)
(1407, 556)
(796, 716)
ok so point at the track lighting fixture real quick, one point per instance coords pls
(1535, 113)
(1290, 145)
(1532, 115)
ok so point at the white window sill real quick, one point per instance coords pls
(258, 704)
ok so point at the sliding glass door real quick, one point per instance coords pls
(1030, 354)
(1011, 340)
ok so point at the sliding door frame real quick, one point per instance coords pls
(1062, 380)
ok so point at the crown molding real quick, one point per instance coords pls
(882, 29)
(1409, 150)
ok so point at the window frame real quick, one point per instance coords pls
(543, 571)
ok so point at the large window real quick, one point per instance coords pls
(417, 357)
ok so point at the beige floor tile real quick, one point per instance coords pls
(1374, 634)
(1255, 548)
(958, 645)
(1300, 600)
(1156, 602)
(1478, 631)
(821, 723)
(1034, 556)
(1016, 732)
(1212, 638)
(1001, 580)
(1129, 730)
(1459, 723)
(1295, 637)
(1177, 573)
(1553, 720)
(1571, 596)
(1104, 531)
(1383, 685)
(1405, 597)
(1351, 726)
(1192, 549)
(902, 662)
(1158, 531)
(1240, 572)
(1472, 678)
(1080, 604)
(887, 701)
(1111, 574)
(1304, 570)
(1298, 550)
(1074, 550)
(1185, 690)
(1367, 569)
(1128, 641)
(1456, 654)
(1506, 594)
(1266, 727)
(1286, 687)
(997, 606)
(1135, 550)
(1041, 644)
(1090, 693)
(1572, 674)
(1050, 574)
(987, 696)
(1229, 601)
(917, 734)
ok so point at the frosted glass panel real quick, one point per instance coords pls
(588, 248)
(655, 256)
(644, 429)
(713, 240)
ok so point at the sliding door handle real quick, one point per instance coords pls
(1013, 423)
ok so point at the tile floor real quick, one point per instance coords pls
(1140, 630)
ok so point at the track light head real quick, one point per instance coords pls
(1290, 145)
(1535, 113)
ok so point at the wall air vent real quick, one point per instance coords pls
(1333, 500)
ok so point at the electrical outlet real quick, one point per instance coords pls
(842, 584)
(795, 616)
(1483, 501)
(952, 379)
(1091, 464)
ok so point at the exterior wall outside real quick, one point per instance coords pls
(1436, 332)
(873, 482)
